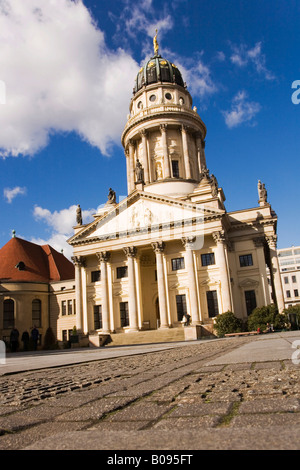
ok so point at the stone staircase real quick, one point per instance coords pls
(161, 336)
(147, 336)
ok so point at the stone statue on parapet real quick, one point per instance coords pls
(214, 185)
(262, 192)
(111, 196)
(78, 215)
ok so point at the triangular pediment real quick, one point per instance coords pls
(140, 213)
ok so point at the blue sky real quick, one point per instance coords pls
(67, 71)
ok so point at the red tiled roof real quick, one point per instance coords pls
(42, 263)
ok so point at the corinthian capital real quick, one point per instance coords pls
(188, 242)
(272, 241)
(219, 237)
(103, 256)
(78, 261)
(130, 251)
(158, 247)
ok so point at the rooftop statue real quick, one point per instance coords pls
(155, 44)
(78, 215)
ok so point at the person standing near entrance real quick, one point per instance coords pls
(25, 340)
(35, 336)
(14, 339)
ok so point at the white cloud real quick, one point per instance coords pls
(242, 56)
(10, 194)
(60, 225)
(59, 76)
(241, 110)
(143, 17)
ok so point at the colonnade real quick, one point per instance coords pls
(134, 283)
(148, 163)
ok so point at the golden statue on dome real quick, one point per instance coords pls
(155, 44)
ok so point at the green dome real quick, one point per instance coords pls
(158, 70)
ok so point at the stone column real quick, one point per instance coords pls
(131, 165)
(275, 271)
(158, 248)
(103, 257)
(79, 262)
(130, 252)
(186, 153)
(128, 171)
(259, 243)
(145, 156)
(201, 153)
(167, 171)
(188, 242)
(221, 260)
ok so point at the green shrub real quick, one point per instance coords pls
(227, 323)
(266, 314)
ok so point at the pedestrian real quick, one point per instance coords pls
(14, 339)
(25, 340)
(35, 336)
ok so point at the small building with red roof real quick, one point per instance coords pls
(37, 288)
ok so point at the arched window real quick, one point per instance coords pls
(37, 313)
(8, 314)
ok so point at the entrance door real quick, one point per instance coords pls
(250, 301)
(181, 306)
(124, 314)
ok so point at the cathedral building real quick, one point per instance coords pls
(170, 248)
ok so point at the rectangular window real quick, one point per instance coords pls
(212, 303)
(246, 260)
(288, 293)
(74, 306)
(64, 335)
(8, 314)
(177, 263)
(96, 276)
(296, 293)
(37, 313)
(70, 304)
(97, 317)
(250, 299)
(286, 280)
(124, 314)
(122, 271)
(175, 168)
(285, 253)
(63, 307)
(294, 279)
(181, 306)
(207, 259)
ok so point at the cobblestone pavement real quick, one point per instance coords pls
(169, 399)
